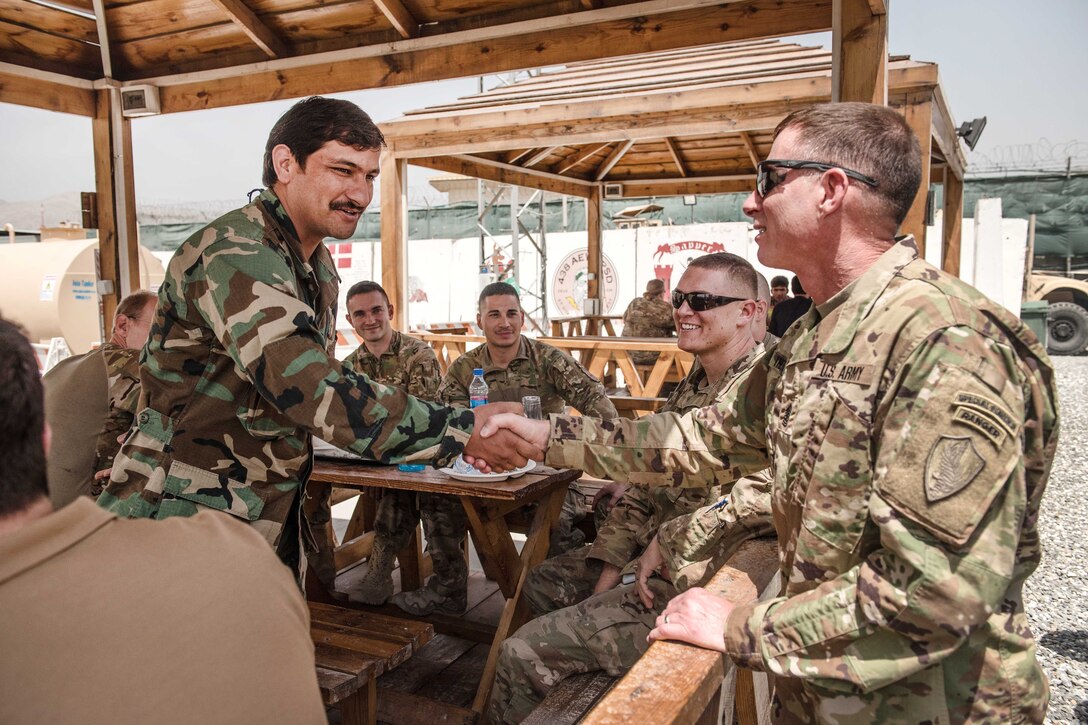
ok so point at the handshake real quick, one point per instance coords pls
(504, 439)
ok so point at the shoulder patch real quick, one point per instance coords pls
(952, 464)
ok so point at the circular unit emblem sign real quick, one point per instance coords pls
(569, 284)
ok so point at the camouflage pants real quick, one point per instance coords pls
(445, 525)
(605, 632)
(561, 581)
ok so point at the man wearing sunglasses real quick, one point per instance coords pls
(909, 423)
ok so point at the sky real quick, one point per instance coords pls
(1022, 65)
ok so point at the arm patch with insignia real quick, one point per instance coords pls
(956, 452)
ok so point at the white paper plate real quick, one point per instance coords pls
(470, 477)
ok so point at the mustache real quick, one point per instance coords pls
(347, 206)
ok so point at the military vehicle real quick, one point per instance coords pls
(1067, 318)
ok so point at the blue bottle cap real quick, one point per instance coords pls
(477, 371)
(411, 467)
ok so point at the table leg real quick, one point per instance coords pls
(362, 707)
(516, 612)
(410, 559)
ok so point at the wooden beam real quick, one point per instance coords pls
(594, 253)
(919, 117)
(394, 220)
(539, 156)
(953, 223)
(399, 17)
(501, 173)
(47, 95)
(613, 158)
(691, 185)
(591, 4)
(944, 134)
(517, 155)
(103, 37)
(670, 144)
(254, 28)
(605, 32)
(751, 149)
(878, 7)
(573, 161)
(107, 222)
(859, 64)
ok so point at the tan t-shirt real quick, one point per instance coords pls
(187, 620)
(76, 407)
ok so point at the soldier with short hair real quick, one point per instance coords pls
(392, 358)
(514, 366)
(648, 315)
(91, 400)
(239, 369)
(909, 423)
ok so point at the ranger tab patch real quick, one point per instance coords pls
(952, 464)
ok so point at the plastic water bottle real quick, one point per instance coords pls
(477, 389)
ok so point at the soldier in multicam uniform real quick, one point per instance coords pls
(717, 319)
(391, 358)
(76, 386)
(239, 370)
(648, 315)
(909, 423)
(514, 366)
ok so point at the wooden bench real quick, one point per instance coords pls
(678, 684)
(352, 649)
(631, 406)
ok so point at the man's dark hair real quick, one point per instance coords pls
(312, 122)
(779, 280)
(496, 289)
(736, 268)
(361, 288)
(22, 420)
(874, 140)
(795, 286)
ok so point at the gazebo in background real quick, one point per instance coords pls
(113, 61)
(669, 123)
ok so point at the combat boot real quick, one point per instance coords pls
(433, 597)
(376, 585)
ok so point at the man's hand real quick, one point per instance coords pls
(651, 561)
(103, 474)
(501, 450)
(613, 490)
(534, 432)
(609, 578)
(696, 616)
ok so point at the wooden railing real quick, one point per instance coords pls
(678, 684)
(584, 325)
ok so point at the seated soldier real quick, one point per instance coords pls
(648, 315)
(90, 401)
(391, 358)
(721, 338)
(717, 319)
(83, 592)
(514, 366)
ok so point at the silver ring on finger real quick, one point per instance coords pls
(666, 619)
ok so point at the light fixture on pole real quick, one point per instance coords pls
(970, 131)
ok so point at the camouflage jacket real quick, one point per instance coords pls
(538, 369)
(648, 317)
(123, 395)
(635, 519)
(408, 364)
(910, 423)
(238, 374)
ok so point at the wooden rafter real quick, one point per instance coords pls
(591, 4)
(254, 28)
(539, 156)
(613, 158)
(750, 148)
(497, 171)
(512, 157)
(670, 144)
(879, 7)
(103, 38)
(400, 17)
(573, 161)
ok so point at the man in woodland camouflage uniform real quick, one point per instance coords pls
(608, 630)
(909, 423)
(239, 369)
(90, 401)
(391, 358)
(648, 316)
(514, 366)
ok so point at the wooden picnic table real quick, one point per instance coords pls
(597, 352)
(486, 503)
(584, 325)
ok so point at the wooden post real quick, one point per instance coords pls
(919, 117)
(593, 245)
(953, 222)
(116, 201)
(859, 62)
(394, 177)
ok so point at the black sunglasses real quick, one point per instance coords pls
(702, 301)
(768, 174)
